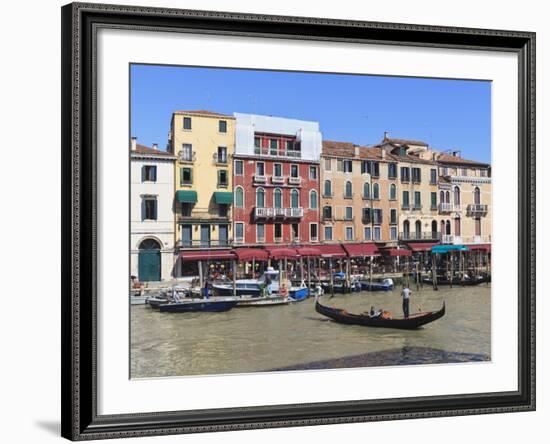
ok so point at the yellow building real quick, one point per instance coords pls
(203, 142)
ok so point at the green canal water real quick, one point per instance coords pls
(295, 336)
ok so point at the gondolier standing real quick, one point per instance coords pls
(406, 293)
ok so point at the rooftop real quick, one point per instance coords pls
(204, 113)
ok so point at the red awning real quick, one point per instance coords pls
(282, 253)
(361, 250)
(247, 254)
(398, 252)
(482, 247)
(331, 250)
(308, 251)
(422, 246)
(209, 255)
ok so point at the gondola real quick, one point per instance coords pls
(443, 280)
(414, 321)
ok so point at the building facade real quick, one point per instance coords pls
(358, 194)
(151, 215)
(203, 143)
(276, 180)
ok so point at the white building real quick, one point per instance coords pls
(151, 213)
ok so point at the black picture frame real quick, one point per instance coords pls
(79, 175)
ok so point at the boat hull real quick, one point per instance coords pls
(198, 306)
(375, 286)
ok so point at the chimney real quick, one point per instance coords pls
(356, 150)
(133, 143)
(155, 146)
(385, 136)
(383, 153)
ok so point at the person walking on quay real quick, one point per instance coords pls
(406, 293)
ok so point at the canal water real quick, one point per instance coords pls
(295, 336)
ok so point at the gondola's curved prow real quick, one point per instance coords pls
(414, 321)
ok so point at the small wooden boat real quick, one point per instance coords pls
(384, 285)
(192, 305)
(264, 301)
(414, 321)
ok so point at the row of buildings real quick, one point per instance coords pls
(230, 182)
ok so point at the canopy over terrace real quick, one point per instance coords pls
(361, 249)
(441, 249)
(422, 246)
(396, 252)
(332, 250)
(480, 247)
(277, 253)
(213, 255)
(249, 254)
(308, 251)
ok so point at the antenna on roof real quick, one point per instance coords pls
(385, 135)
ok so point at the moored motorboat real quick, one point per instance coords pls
(384, 285)
(194, 305)
(264, 301)
(412, 322)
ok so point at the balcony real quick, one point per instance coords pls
(445, 207)
(187, 156)
(277, 179)
(198, 244)
(276, 152)
(220, 159)
(275, 213)
(477, 210)
(415, 236)
(260, 179)
(451, 239)
(294, 180)
(416, 207)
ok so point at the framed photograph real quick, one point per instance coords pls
(276, 221)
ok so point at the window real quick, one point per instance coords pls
(187, 123)
(418, 229)
(277, 198)
(368, 233)
(392, 170)
(393, 216)
(417, 201)
(186, 208)
(328, 188)
(433, 200)
(393, 233)
(416, 175)
(366, 191)
(406, 229)
(377, 216)
(405, 200)
(370, 167)
(478, 226)
(483, 173)
(340, 165)
(222, 154)
(186, 152)
(364, 166)
(277, 170)
(327, 212)
(349, 233)
(402, 151)
(367, 215)
(273, 146)
(393, 192)
(238, 168)
(477, 196)
(149, 208)
(348, 190)
(375, 191)
(457, 226)
(313, 173)
(223, 180)
(295, 232)
(186, 176)
(294, 199)
(433, 176)
(239, 197)
(313, 199)
(260, 169)
(260, 198)
(457, 196)
(348, 166)
(260, 233)
(377, 233)
(222, 126)
(464, 171)
(405, 174)
(375, 169)
(257, 145)
(328, 233)
(289, 145)
(149, 173)
(313, 235)
(239, 232)
(349, 213)
(223, 210)
(328, 164)
(278, 231)
(293, 170)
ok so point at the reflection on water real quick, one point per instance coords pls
(254, 339)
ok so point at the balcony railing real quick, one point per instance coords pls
(204, 243)
(276, 152)
(445, 207)
(277, 179)
(416, 207)
(294, 180)
(187, 156)
(477, 209)
(260, 179)
(414, 236)
(272, 213)
(220, 158)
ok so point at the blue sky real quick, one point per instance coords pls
(447, 114)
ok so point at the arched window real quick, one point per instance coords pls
(260, 198)
(149, 244)
(239, 197)
(442, 196)
(448, 197)
(366, 190)
(393, 192)
(477, 196)
(457, 226)
(434, 229)
(418, 229)
(294, 198)
(457, 196)
(376, 191)
(442, 225)
(278, 198)
(406, 229)
(328, 188)
(313, 199)
(448, 227)
(349, 190)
